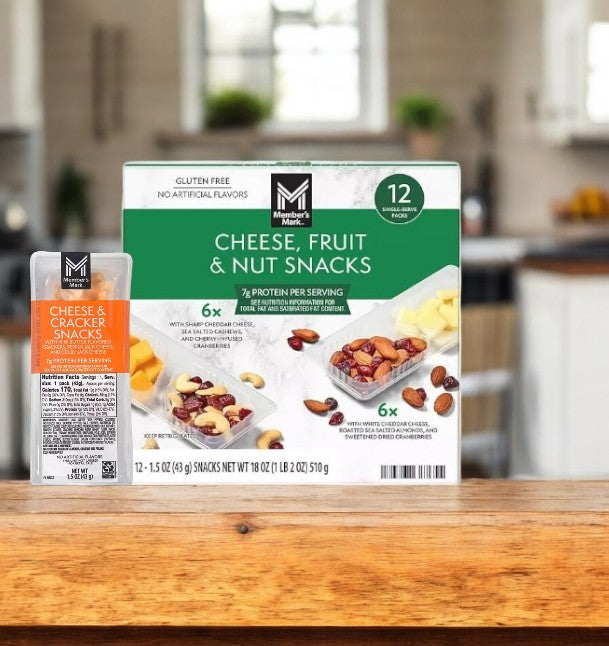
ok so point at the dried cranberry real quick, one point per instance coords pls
(400, 344)
(336, 419)
(214, 400)
(450, 383)
(368, 347)
(226, 400)
(367, 371)
(180, 413)
(275, 445)
(208, 430)
(376, 361)
(344, 366)
(295, 343)
(352, 362)
(194, 403)
(422, 392)
(206, 384)
(244, 412)
(347, 351)
(332, 403)
(360, 378)
(232, 421)
(197, 380)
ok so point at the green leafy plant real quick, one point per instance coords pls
(71, 201)
(235, 108)
(422, 112)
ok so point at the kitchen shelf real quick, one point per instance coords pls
(250, 137)
(482, 555)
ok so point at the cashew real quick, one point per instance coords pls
(232, 410)
(150, 443)
(175, 400)
(216, 390)
(267, 437)
(212, 417)
(184, 385)
(256, 380)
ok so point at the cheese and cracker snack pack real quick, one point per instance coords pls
(81, 413)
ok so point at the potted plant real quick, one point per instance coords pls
(235, 108)
(425, 118)
(71, 202)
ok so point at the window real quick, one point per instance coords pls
(598, 72)
(321, 62)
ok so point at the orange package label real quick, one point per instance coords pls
(80, 336)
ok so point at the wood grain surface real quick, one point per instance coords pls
(482, 554)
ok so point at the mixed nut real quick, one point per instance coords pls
(322, 407)
(368, 360)
(444, 402)
(212, 409)
(302, 334)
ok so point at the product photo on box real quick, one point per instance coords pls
(294, 322)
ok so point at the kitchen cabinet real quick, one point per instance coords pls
(20, 102)
(576, 71)
(560, 426)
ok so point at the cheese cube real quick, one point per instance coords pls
(430, 305)
(447, 294)
(139, 381)
(139, 354)
(407, 316)
(152, 368)
(407, 329)
(431, 319)
(133, 340)
(450, 314)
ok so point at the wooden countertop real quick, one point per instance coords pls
(483, 554)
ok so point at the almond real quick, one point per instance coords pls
(443, 403)
(402, 357)
(357, 344)
(363, 358)
(317, 407)
(383, 369)
(337, 357)
(418, 344)
(308, 336)
(385, 347)
(437, 375)
(353, 372)
(376, 339)
(412, 398)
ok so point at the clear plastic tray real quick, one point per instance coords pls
(177, 359)
(382, 322)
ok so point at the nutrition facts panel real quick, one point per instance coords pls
(78, 395)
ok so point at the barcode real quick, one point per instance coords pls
(413, 471)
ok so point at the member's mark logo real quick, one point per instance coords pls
(291, 199)
(75, 270)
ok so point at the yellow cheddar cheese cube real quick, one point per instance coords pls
(152, 368)
(139, 381)
(447, 294)
(450, 314)
(133, 340)
(139, 354)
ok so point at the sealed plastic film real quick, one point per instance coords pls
(80, 419)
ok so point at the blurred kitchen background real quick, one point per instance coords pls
(516, 91)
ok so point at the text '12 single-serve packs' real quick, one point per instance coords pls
(294, 322)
